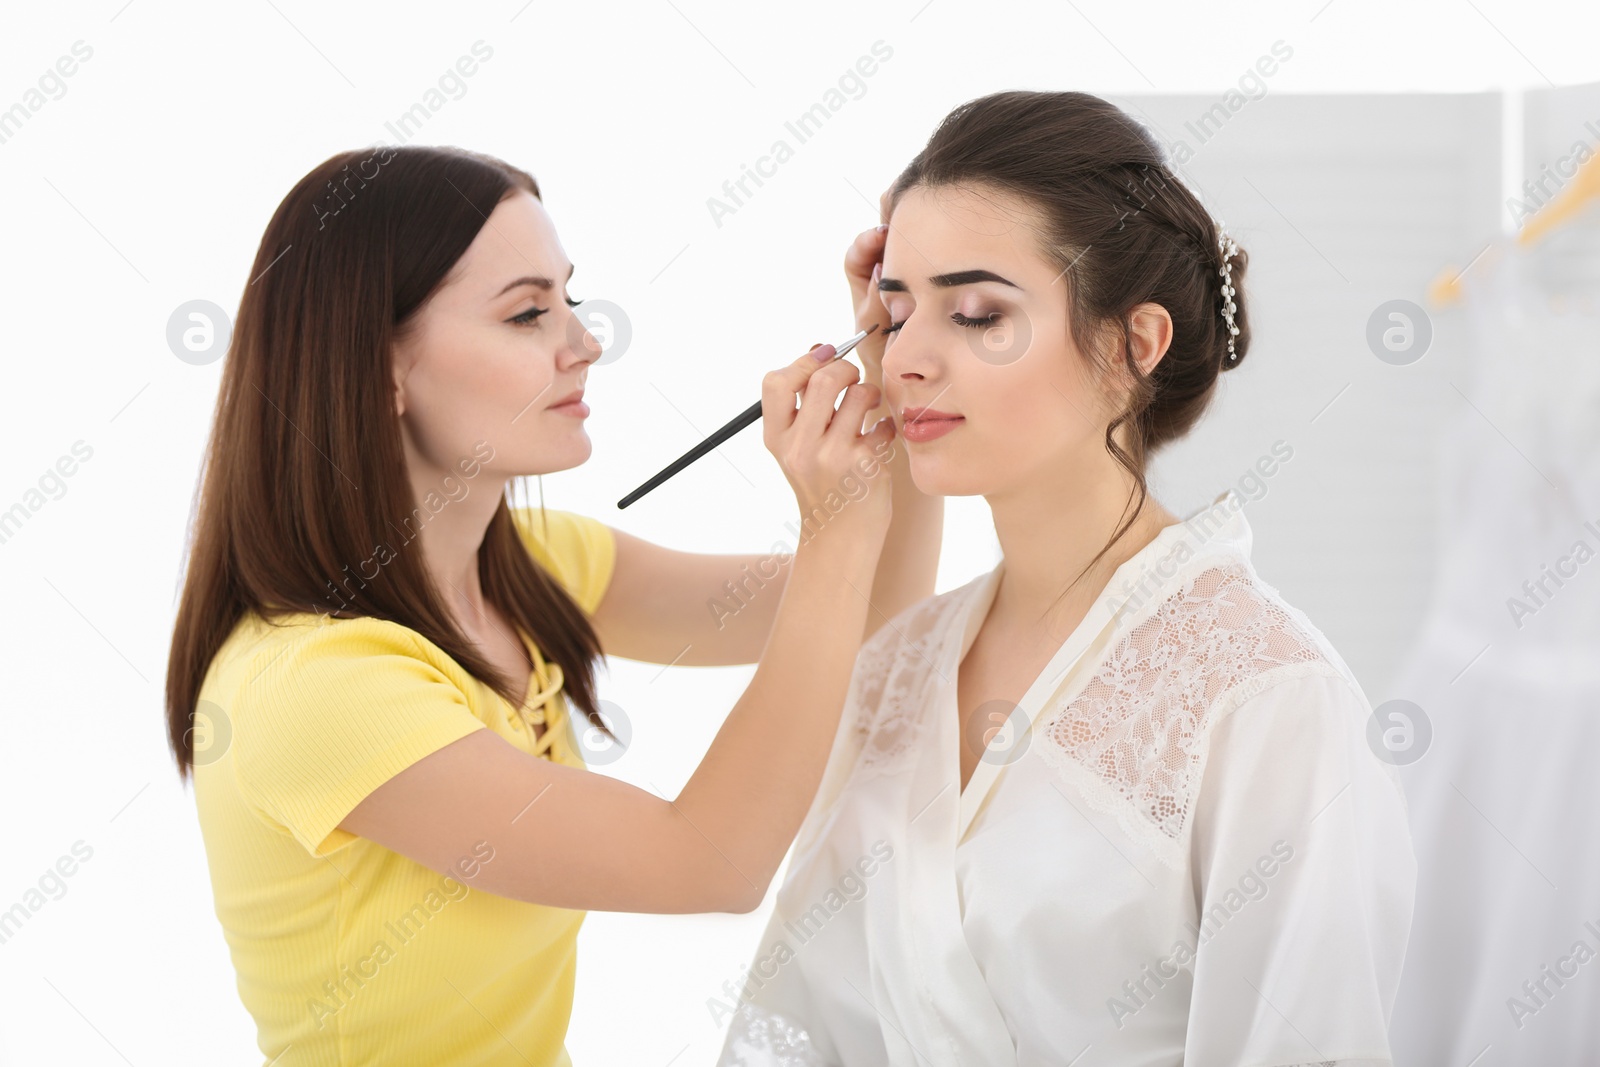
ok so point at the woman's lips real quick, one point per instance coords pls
(573, 405)
(928, 425)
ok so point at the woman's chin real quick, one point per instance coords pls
(574, 451)
(935, 478)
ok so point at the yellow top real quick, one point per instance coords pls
(347, 953)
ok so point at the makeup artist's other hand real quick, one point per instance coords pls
(823, 453)
(862, 261)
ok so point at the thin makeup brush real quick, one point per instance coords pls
(737, 423)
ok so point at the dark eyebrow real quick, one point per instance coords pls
(946, 281)
(543, 283)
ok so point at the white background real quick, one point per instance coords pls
(147, 184)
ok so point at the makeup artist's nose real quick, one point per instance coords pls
(591, 350)
(582, 343)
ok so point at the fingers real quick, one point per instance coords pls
(876, 310)
(864, 252)
(882, 432)
(778, 389)
(863, 266)
(821, 390)
(816, 446)
(878, 441)
(859, 399)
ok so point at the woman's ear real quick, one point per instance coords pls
(399, 364)
(1149, 335)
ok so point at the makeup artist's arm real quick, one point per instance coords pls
(910, 560)
(691, 609)
(572, 838)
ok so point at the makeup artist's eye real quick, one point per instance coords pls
(962, 320)
(527, 317)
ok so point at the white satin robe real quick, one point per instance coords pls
(1180, 849)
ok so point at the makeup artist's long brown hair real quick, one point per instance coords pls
(304, 473)
(1123, 230)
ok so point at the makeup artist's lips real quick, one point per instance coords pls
(926, 424)
(572, 404)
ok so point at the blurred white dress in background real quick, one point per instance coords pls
(1504, 962)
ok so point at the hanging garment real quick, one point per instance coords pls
(1505, 803)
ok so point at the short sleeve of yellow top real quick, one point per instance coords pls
(347, 953)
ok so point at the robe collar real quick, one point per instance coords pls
(1135, 588)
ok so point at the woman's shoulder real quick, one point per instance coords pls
(1219, 635)
(891, 669)
(275, 632)
(1218, 642)
(579, 551)
(911, 630)
(270, 654)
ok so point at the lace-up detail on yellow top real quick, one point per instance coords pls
(543, 706)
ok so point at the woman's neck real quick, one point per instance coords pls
(450, 539)
(1051, 530)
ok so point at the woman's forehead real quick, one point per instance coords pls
(517, 241)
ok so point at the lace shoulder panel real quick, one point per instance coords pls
(893, 668)
(1139, 726)
(882, 712)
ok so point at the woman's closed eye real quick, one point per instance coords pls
(987, 320)
(527, 317)
(957, 318)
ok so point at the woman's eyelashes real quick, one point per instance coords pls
(527, 317)
(957, 318)
(987, 320)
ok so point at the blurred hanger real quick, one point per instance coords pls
(1584, 187)
(1568, 203)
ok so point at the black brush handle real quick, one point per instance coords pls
(737, 423)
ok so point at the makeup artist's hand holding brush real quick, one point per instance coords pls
(835, 470)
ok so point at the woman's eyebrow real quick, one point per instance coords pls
(543, 283)
(945, 281)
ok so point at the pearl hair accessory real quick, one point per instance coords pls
(1226, 245)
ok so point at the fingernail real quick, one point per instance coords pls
(877, 272)
(882, 227)
(823, 353)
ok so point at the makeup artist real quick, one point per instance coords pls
(401, 832)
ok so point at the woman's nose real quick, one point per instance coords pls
(908, 358)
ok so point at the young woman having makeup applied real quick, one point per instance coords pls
(374, 654)
(1110, 803)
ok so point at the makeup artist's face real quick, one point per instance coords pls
(495, 350)
(982, 333)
